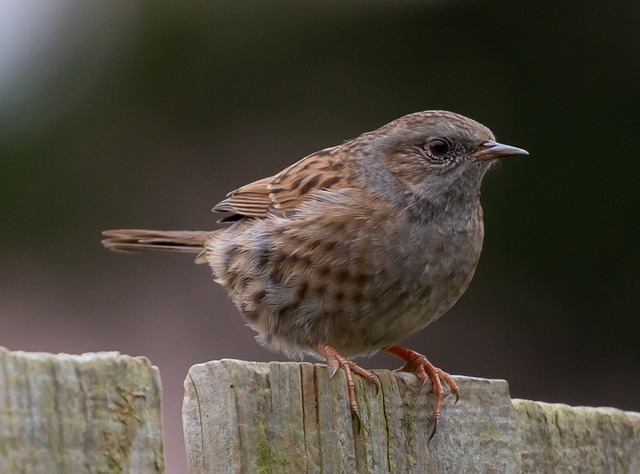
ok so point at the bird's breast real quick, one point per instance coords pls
(358, 276)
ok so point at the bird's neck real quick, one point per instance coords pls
(457, 206)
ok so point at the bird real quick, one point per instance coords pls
(354, 248)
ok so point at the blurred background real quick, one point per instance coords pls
(144, 114)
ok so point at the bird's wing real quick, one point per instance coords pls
(287, 189)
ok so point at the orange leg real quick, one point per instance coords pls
(336, 361)
(425, 370)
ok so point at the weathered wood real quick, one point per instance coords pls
(560, 438)
(90, 413)
(290, 417)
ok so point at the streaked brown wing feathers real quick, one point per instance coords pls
(251, 200)
(287, 189)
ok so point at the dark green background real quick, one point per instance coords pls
(144, 114)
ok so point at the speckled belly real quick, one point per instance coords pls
(354, 284)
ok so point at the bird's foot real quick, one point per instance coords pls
(425, 370)
(337, 361)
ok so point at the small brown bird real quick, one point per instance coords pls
(355, 247)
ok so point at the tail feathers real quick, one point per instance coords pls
(138, 240)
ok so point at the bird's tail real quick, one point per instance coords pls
(138, 240)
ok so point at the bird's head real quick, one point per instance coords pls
(437, 156)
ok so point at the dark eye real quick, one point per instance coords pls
(438, 146)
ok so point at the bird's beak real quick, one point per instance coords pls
(491, 150)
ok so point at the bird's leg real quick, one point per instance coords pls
(336, 361)
(417, 363)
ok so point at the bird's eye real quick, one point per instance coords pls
(438, 146)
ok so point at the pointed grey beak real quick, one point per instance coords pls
(491, 150)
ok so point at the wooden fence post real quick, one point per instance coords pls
(90, 413)
(101, 413)
(291, 417)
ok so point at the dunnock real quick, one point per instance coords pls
(353, 248)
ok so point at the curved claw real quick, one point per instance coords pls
(425, 370)
(334, 371)
(433, 430)
(450, 382)
(336, 361)
(357, 422)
